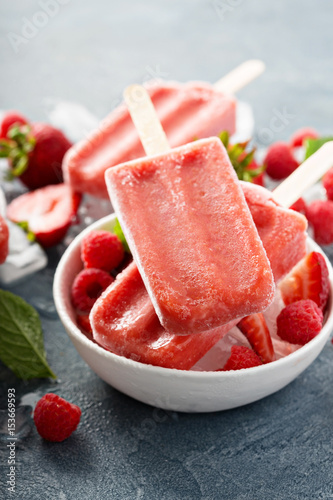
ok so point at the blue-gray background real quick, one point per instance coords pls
(84, 51)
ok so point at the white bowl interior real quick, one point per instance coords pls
(178, 390)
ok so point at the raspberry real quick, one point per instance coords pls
(328, 184)
(299, 322)
(102, 250)
(299, 206)
(88, 286)
(279, 161)
(10, 119)
(320, 215)
(301, 135)
(241, 357)
(56, 418)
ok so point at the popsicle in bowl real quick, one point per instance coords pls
(124, 321)
(189, 228)
(186, 111)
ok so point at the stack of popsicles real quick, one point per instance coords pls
(199, 263)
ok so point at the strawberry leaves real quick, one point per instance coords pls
(241, 158)
(16, 148)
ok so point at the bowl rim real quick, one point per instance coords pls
(74, 331)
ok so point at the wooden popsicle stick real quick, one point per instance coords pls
(240, 76)
(146, 121)
(305, 176)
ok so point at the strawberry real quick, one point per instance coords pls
(299, 206)
(88, 286)
(320, 215)
(299, 322)
(307, 280)
(242, 159)
(102, 250)
(10, 119)
(255, 329)
(259, 178)
(241, 357)
(47, 212)
(55, 418)
(35, 154)
(298, 138)
(328, 183)
(279, 161)
(4, 236)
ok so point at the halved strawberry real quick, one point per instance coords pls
(256, 331)
(47, 212)
(4, 236)
(307, 280)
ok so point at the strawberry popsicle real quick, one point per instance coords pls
(186, 111)
(282, 231)
(192, 236)
(124, 322)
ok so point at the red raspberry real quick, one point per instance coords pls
(102, 250)
(279, 161)
(328, 184)
(241, 357)
(320, 215)
(11, 118)
(88, 286)
(299, 322)
(300, 135)
(56, 418)
(299, 206)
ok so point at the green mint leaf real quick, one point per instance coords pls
(21, 338)
(312, 145)
(119, 232)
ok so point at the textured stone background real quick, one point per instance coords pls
(278, 448)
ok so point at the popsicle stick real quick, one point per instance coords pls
(305, 176)
(240, 76)
(146, 121)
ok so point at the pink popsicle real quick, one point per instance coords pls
(186, 111)
(192, 236)
(124, 322)
(282, 231)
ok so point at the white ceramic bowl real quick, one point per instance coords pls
(178, 390)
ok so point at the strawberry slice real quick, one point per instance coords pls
(4, 236)
(47, 212)
(256, 331)
(307, 280)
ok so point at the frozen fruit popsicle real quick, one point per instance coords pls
(189, 229)
(282, 231)
(186, 111)
(124, 322)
